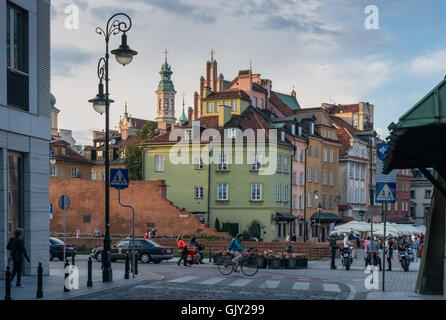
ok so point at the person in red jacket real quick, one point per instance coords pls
(182, 245)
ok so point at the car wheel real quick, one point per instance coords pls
(51, 257)
(98, 256)
(145, 258)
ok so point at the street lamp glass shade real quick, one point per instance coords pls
(124, 55)
(99, 102)
(52, 161)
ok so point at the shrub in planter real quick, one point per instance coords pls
(276, 262)
(290, 261)
(260, 259)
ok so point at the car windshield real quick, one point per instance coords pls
(56, 241)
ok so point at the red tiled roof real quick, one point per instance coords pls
(139, 123)
(332, 109)
(72, 156)
(228, 94)
(259, 88)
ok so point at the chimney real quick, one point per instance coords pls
(189, 114)
(201, 84)
(214, 76)
(195, 105)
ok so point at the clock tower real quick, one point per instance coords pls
(165, 98)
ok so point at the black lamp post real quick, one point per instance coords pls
(101, 104)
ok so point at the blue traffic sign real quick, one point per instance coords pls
(119, 178)
(385, 192)
(381, 150)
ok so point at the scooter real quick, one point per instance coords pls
(376, 259)
(405, 257)
(192, 255)
(346, 257)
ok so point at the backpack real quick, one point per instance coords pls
(231, 245)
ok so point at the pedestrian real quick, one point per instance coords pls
(182, 245)
(146, 235)
(358, 242)
(153, 234)
(293, 238)
(287, 239)
(389, 252)
(415, 246)
(199, 246)
(16, 246)
(333, 248)
(96, 233)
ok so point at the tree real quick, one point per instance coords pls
(217, 225)
(133, 152)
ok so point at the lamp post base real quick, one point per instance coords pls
(107, 275)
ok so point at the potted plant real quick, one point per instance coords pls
(276, 262)
(268, 256)
(290, 261)
(260, 259)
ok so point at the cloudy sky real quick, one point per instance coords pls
(322, 47)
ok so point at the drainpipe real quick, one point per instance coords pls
(209, 189)
(305, 193)
(291, 185)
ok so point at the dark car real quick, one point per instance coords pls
(57, 247)
(148, 250)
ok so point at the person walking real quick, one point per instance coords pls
(16, 246)
(146, 235)
(333, 248)
(182, 245)
(415, 245)
(389, 252)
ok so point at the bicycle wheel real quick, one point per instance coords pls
(226, 266)
(249, 266)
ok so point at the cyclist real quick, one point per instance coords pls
(236, 247)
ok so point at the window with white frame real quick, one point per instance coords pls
(93, 175)
(299, 131)
(324, 177)
(216, 106)
(222, 163)
(53, 171)
(75, 172)
(209, 107)
(256, 192)
(301, 178)
(199, 192)
(232, 133)
(325, 155)
(331, 178)
(234, 105)
(278, 191)
(331, 156)
(316, 175)
(285, 164)
(188, 134)
(255, 101)
(222, 191)
(294, 203)
(309, 200)
(255, 162)
(159, 163)
(309, 175)
(301, 202)
(102, 175)
(312, 128)
(285, 193)
(294, 177)
(279, 163)
(293, 129)
(198, 162)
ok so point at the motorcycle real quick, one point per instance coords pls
(346, 257)
(376, 259)
(192, 255)
(405, 258)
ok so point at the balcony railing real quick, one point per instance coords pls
(18, 89)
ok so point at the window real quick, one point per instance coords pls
(293, 129)
(285, 193)
(396, 205)
(102, 175)
(215, 106)
(209, 107)
(255, 162)
(329, 134)
(309, 175)
(87, 218)
(159, 163)
(93, 175)
(331, 203)
(389, 206)
(316, 175)
(316, 152)
(301, 202)
(312, 128)
(75, 173)
(279, 163)
(294, 203)
(222, 191)
(331, 178)
(331, 156)
(299, 131)
(310, 150)
(427, 194)
(234, 105)
(309, 200)
(255, 101)
(188, 134)
(256, 192)
(198, 163)
(222, 163)
(302, 156)
(261, 103)
(301, 178)
(282, 136)
(281, 229)
(198, 192)
(17, 57)
(278, 191)
(412, 194)
(53, 171)
(285, 164)
(294, 177)
(325, 155)
(324, 201)
(350, 170)
(232, 133)
(324, 177)
(362, 172)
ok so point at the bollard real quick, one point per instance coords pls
(72, 259)
(90, 265)
(210, 255)
(65, 289)
(39, 293)
(8, 284)
(136, 263)
(126, 274)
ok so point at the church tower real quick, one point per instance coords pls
(165, 98)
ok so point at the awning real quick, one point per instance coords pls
(284, 216)
(326, 216)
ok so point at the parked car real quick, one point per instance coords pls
(148, 250)
(57, 247)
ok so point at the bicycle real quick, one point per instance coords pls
(247, 263)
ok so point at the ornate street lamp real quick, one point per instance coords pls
(101, 104)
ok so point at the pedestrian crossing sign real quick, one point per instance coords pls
(385, 192)
(119, 178)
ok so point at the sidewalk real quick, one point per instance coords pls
(53, 285)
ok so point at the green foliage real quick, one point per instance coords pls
(254, 229)
(217, 225)
(133, 153)
(246, 236)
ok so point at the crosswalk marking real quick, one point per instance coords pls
(183, 279)
(212, 281)
(240, 283)
(270, 284)
(301, 286)
(331, 287)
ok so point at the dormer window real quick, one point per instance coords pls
(282, 136)
(299, 131)
(293, 129)
(312, 128)
(232, 133)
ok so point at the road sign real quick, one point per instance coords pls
(63, 202)
(381, 150)
(385, 192)
(119, 178)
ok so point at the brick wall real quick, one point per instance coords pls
(88, 199)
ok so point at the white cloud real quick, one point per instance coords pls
(429, 63)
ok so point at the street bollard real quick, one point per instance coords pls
(210, 255)
(39, 293)
(65, 289)
(136, 263)
(90, 266)
(8, 284)
(126, 274)
(72, 259)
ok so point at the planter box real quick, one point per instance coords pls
(290, 264)
(302, 263)
(275, 263)
(261, 262)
